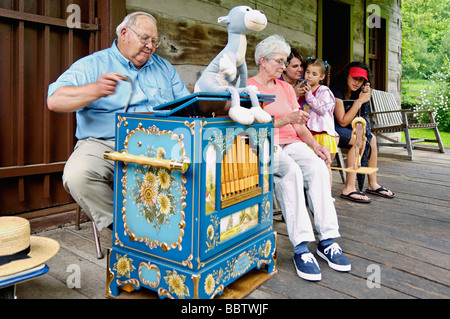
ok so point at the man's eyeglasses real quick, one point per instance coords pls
(156, 42)
(281, 62)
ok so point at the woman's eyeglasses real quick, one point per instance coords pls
(281, 62)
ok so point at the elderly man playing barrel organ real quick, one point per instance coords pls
(95, 87)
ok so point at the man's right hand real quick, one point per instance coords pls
(71, 98)
(107, 83)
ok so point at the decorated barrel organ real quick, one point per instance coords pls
(193, 199)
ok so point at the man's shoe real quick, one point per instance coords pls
(307, 267)
(333, 255)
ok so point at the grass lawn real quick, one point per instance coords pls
(412, 88)
(415, 85)
(429, 134)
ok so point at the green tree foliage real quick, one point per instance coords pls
(426, 36)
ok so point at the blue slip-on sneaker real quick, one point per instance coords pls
(307, 267)
(333, 255)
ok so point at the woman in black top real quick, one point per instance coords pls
(352, 92)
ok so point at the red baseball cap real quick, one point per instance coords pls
(356, 72)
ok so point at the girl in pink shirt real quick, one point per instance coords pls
(319, 102)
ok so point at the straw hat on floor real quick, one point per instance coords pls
(18, 250)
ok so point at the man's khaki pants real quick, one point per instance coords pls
(88, 177)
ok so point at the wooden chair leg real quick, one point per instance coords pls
(98, 248)
(277, 208)
(436, 133)
(409, 144)
(77, 218)
(97, 242)
(439, 140)
(341, 163)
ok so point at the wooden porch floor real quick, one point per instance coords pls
(406, 239)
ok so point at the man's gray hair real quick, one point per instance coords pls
(130, 20)
(274, 44)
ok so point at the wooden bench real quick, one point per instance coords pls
(388, 117)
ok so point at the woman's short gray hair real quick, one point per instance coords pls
(130, 20)
(270, 46)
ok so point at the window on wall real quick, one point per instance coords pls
(376, 52)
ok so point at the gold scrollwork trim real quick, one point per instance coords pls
(162, 292)
(121, 120)
(118, 241)
(200, 264)
(132, 281)
(188, 262)
(218, 290)
(264, 261)
(109, 274)
(191, 126)
(149, 266)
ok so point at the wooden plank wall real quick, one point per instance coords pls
(394, 24)
(38, 45)
(192, 37)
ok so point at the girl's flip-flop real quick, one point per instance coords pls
(379, 191)
(357, 200)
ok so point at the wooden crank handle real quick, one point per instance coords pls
(173, 165)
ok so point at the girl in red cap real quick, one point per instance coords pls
(351, 89)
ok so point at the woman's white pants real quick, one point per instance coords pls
(299, 171)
